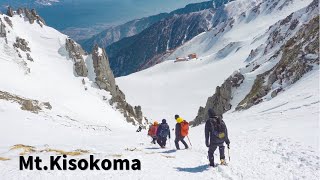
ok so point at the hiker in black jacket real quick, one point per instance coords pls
(163, 132)
(216, 134)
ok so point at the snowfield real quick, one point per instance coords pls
(276, 139)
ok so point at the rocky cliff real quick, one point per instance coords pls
(131, 28)
(220, 101)
(290, 51)
(300, 55)
(105, 80)
(30, 15)
(76, 54)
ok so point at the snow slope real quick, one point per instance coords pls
(268, 141)
(277, 139)
(174, 87)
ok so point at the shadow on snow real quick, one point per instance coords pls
(169, 151)
(152, 148)
(197, 169)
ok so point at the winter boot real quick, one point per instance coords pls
(223, 162)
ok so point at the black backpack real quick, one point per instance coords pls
(164, 130)
(218, 128)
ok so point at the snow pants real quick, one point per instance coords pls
(211, 150)
(154, 139)
(162, 141)
(176, 142)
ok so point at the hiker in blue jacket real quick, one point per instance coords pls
(163, 132)
(216, 134)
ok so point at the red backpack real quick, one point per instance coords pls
(153, 130)
(184, 128)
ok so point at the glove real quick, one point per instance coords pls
(207, 144)
(228, 145)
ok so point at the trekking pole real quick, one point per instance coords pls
(229, 154)
(189, 141)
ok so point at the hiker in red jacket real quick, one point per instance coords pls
(153, 131)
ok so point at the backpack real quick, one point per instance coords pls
(184, 128)
(152, 131)
(164, 131)
(219, 129)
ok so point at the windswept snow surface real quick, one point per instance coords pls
(275, 140)
(278, 139)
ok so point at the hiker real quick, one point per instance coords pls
(153, 131)
(180, 132)
(216, 134)
(162, 133)
(139, 129)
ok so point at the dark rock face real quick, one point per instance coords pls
(220, 101)
(130, 54)
(300, 54)
(114, 34)
(3, 32)
(10, 12)
(104, 76)
(21, 44)
(31, 15)
(105, 80)
(29, 57)
(150, 38)
(75, 53)
(131, 28)
(8, 21)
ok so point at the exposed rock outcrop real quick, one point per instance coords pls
(33, 16)
(76, 54)
(29, 57)
(21, 44)
(220, 101)
(10, 12)
(105, 80)
(300, 54)
(3, 32)
(8, 21)
(30, 15)
(33, 106)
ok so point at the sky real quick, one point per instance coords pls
(86, 13)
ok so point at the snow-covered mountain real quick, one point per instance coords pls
(47, 66)
(159, 39)
(131, 28)
(28, 3)
(47, 2)
(222, 51)
(264, 56)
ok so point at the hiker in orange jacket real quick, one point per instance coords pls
(153, 131)
(179, 136)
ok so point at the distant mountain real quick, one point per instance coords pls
(27, 3)
(46, 2)
(114, 34)
(157, 41)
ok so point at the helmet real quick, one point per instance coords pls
(176, 116)
(155, 123)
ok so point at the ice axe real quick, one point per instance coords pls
(229, 153)
(189, 141)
